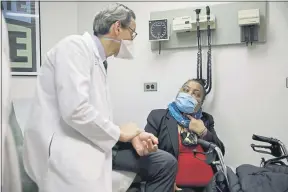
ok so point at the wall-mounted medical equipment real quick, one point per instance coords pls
(208, 81)
(187, 24)
(249, 21)
(158, 31)
(203, 23)
(182, 24)
(224, 26)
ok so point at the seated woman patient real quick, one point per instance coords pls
(178, 129)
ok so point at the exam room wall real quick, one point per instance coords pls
(58, 19)
(249, 94)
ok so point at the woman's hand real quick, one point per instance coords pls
(145, 143)
(196, 125)
(176, 188)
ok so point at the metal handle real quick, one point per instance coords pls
(214, 149)
(210, 156)
(253, 146)
(206, 144)
(265, 139)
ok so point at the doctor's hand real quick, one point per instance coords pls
(128, 132)
(196, 125)
(145, 143)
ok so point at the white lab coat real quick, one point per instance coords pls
(10, 174)
(69, 136)
(5, 76)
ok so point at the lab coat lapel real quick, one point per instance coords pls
(96, 52)
(92, 43)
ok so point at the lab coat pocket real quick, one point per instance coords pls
(75, 160)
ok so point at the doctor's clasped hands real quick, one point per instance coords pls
(143, 142)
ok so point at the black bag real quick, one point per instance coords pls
(218, 183)
(277, 168)
(276, 165)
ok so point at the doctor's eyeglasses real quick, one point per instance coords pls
(134, 33)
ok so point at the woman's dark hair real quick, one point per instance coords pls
(200, 82)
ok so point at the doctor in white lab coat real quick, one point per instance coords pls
(69, 136)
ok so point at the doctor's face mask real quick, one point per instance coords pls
(126, 50)
(125, 37)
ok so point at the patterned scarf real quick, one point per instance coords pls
(188, 138)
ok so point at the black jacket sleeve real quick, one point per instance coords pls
(153, 122)
(211, 135)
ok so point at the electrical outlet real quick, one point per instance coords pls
(150, 87)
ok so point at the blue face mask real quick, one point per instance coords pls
(186, 103)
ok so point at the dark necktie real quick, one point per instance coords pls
(105, 65)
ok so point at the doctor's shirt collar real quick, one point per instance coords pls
(100, 48)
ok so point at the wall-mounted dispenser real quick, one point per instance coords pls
(182, 24)
(249, 21)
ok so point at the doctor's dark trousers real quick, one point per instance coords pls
(157, 169)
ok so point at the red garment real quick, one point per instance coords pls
(192, 171)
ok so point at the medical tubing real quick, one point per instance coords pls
(209, 53)
(199, 54)
(207, 68)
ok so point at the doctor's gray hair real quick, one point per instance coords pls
(109, 15)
